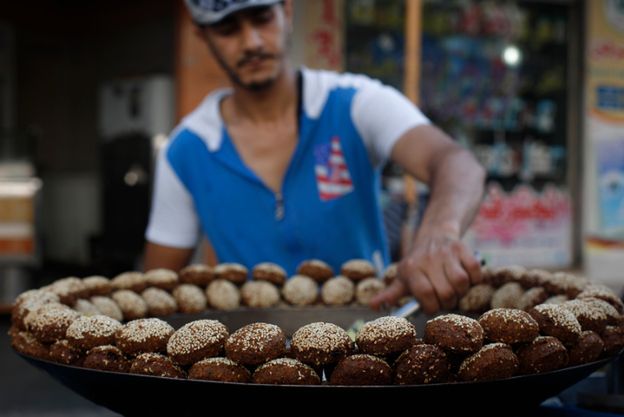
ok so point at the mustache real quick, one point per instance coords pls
(249, 56)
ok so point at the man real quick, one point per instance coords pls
(284, 166)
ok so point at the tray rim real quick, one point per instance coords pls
(595, 365)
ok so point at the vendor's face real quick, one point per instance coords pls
(250, 45)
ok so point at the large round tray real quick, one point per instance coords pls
(140, 395)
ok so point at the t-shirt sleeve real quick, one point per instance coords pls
(381, 116)
(173, 219)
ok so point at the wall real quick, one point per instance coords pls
(64, 51)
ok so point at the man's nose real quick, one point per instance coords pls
(250, 37)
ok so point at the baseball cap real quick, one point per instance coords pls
(207, 12)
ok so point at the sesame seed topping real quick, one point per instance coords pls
(516, 271)
(128, 280)
(196, 335)
(531, 297)
(366, 357)
(584, 309)
(227, 267)
(556, 300)
(565, 283)
(217, 361)
(469, 361)
(66, 287)
(52, 314)
(610, 312)
(260, 294)
(141, 330)
(269, 267)
(507, 295)
(104, 349)
(93, 326)
(285, 362)
(367, 289)
(338, 291)
(322, 336)
(34, 300)
(32, 295)
(149, 356)
(492, 346)
(300, 290)
(255, 336)
(96, 282)
(107, 307)
(508, 315)
(161, 276)
(560, 316)
(458, 320)
(383, 328)
(477, 298)
(599, 291)
(190, 295)
(157, 298)
(197, 268)
(130, 302)
(314, 262)
(361, 266)
(85, 307)
(223, 295)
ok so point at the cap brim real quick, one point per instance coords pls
(207, 17)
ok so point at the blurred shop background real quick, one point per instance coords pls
(90, 90)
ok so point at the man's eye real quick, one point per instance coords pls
(225, 28)
(263, 16)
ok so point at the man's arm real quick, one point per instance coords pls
(439, 268)
(159, 256)
(173, 221)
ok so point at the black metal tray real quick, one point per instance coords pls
(140, 395)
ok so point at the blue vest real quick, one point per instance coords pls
(246, 222)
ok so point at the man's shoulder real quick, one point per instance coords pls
(326, 79)
(320, 85)
(203, 123)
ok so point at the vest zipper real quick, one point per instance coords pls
(279, 206)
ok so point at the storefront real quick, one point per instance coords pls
(502, 79)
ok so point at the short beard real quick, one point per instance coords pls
(233, 76)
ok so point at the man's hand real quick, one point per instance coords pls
(438, 272)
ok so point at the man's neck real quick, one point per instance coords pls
(267, 105)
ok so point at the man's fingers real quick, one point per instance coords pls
(390, 295)
(470, 264)
(457, 277)
(422, 289)
(443, 288)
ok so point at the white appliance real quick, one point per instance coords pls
(136, 105)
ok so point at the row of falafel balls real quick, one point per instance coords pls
(161, 292)
(502, 342)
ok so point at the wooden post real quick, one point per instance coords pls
(413, 41)
(411, 77)
(411, 88)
